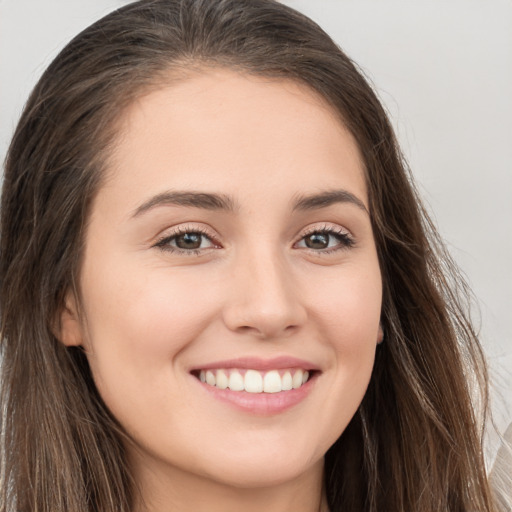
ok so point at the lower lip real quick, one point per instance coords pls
(262, 404)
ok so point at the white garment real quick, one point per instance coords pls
(501, 474)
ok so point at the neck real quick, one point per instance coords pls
(170, 490)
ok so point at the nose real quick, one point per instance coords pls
(264, 299)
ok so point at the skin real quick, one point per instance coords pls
(253, 288)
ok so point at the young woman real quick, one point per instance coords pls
(219, 288)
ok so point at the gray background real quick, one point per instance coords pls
(443, 68)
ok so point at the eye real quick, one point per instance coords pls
(326, 240)
(186, 241)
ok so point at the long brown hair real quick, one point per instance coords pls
(415, 443)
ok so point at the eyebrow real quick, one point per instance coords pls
(209, 201)
(203, 200)
(326, 199)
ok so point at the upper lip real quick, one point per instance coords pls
(257, 363)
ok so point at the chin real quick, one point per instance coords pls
(265, 465)
(261, 473)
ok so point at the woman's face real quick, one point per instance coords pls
(231, 242)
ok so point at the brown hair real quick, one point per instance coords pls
(415, 442)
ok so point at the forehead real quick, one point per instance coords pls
(221, 128)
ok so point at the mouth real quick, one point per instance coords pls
(258, 386)
(253, 380)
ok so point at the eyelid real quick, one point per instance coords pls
(161, 241)
(327, 228)
(324, 227)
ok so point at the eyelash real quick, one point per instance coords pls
(164, 243)
(345, 240)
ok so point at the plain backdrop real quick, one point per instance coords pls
(443, 68)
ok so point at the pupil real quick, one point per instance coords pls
(317, 241)
(189, 241)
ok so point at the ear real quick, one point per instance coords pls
(380, 335)
(68, 329)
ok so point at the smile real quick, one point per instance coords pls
(253, 385)
(254, 381)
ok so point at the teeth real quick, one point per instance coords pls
(253, 381)
(236, 382)
(287, 381)
(272, 382)
(210, 378)
(222, 380)
(296, 381)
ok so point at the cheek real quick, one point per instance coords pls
(143, 308)
(348, 315)
(138, 325)
(347, 305)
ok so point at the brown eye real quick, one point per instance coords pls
(189, 241)
(317, 241)
(186, 242)
(326, 241)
